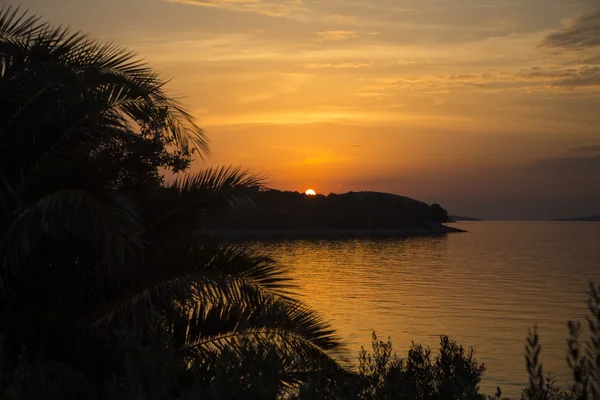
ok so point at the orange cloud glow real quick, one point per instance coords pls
(446, 101)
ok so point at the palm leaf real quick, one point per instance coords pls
(94, 63)
(179, 275)
(109, 221)
(218, 179)
(257, 312)
(262, 333)
(14, 24)
(191, 201)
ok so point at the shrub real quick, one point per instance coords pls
(452, 374)
(583, 359)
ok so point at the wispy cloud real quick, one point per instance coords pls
(595, 148)
(582, 77)
(282, 84)
(311, 155)
(578, 33)
(337, 35)
(341, 18)
(266, 7)
(373, 95)
(533, 79)
(346, 65)
(588, 166)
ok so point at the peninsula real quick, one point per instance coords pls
(285, 214)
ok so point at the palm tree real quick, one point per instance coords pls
(104, 269)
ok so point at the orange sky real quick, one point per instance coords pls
(488, 107)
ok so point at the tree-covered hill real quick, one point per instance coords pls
(285, 210)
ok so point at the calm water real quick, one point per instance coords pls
(484, 289)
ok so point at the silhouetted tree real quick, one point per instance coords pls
(104, 270)
(438, 214)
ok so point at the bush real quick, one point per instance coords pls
(583, 359)
(452, 374)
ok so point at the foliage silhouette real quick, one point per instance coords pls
(452, 374)
(583, 359)
(106, 273)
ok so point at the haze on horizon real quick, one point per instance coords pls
(490, 108)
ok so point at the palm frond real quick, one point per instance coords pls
(95, 65)
(109, 221)
(255, 312)
(14, 23)
(296, 356)
(193, 200)
(265, 333)
(250, 266)
(219, 262)
(218, 179)
(202, 272)
(7, 193)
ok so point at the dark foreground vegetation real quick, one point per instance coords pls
(111, 285)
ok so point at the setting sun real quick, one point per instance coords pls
(310, 192)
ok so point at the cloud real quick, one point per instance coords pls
(347, 65)
(583, 77)
(589, 60)
(584, 166)
(595, 148)
(337, 35)
(311, 156)
(266, 7)
(282, 84)
(578, 33)
(373, 95)
(554, 80)
(340, 18)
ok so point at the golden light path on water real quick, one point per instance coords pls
(485, 289)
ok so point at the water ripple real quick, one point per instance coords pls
(484, 288)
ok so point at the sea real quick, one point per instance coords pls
(484, 289)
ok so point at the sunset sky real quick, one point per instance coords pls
(489, 107)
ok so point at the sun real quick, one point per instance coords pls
(310, 192)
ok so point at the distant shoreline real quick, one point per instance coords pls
(593, 218)
(337, 233)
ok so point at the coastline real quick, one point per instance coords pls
(337, 233)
